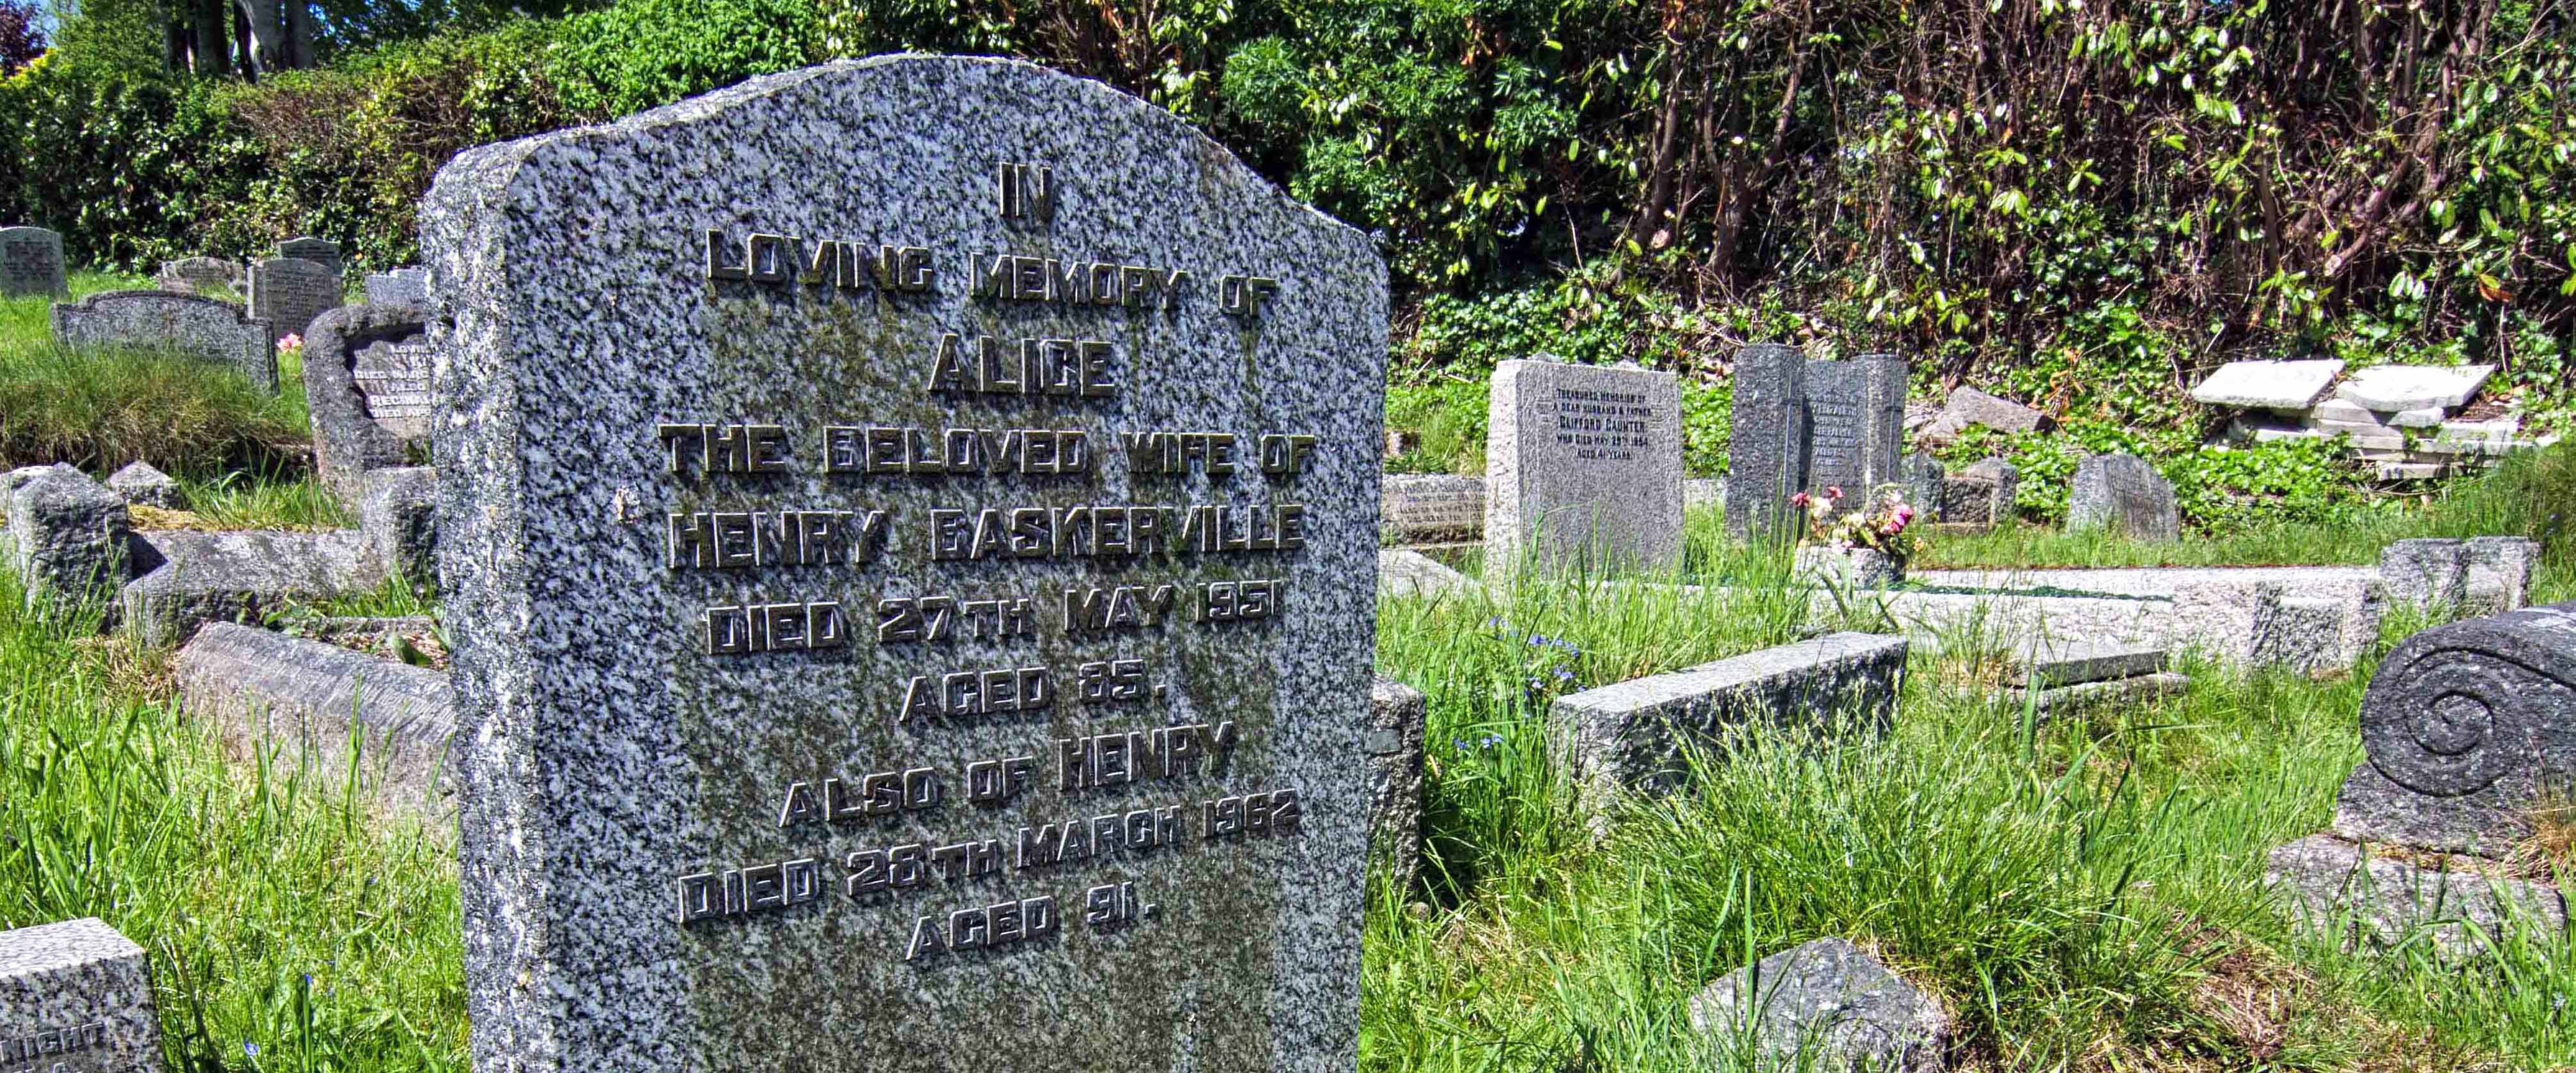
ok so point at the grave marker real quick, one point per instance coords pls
(1583, 463)
(289, 292)
(320, 251)
(891, 632)
(2122, 493)
(194, 325)
(402, 286)
(1802, 425)
(31, 262)
(366, 377)
(213, 277)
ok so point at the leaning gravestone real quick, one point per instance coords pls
(366, 379)
(2123, 494)
(1583, 463)
(75, 998)
(31, 262)
(1801, 425)
(2470, 727)
(289, 292)
(320, 251)
(891, 632)
(189, 324)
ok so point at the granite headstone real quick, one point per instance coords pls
(402, 286)
(366, 379)
(1582, 463)
(187, 324)
(75, 997)
(288, 292)
(1433, 508)
(2123, 494)
(1802, 425)
(320, 251)
(890, 632)
(31, 262)
(2469, 727)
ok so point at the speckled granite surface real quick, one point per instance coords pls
(74, 997)
(607, 757)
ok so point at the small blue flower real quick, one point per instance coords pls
(249, 1049)
(1459, 743)
(1564, 675)
(308, 981)
(1489, 741)
(1542, 639)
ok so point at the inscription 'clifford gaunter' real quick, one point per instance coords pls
(961, 585)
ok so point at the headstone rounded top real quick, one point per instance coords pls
(31, 261)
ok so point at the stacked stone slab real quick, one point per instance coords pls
(185, 324)
(31, 262)
(2469, 728)
(1802, 425)
(683, 760)
(309, 701)
(1433, 508)
(1583, 465)
(366, 380)
(1639, 737)
(2405, 419)
(76, 996)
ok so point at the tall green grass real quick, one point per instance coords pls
(2081, 894)
(286, 932)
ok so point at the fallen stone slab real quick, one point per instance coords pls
(2109, 691)
(186, 579)
(1405, 572)
(2428, 417)
(1969, 407)
(144, 486)
(307, 699)
(2279, 386)
(2049, 664)
(76, 997)
(1395, 755)
(1638, 736)
(2394, 388)
(2380, 901)
(1829, 1002)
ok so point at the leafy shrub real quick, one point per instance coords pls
(643, 54)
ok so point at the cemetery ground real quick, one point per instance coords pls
(2081, 893)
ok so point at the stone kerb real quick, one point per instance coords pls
(314, 698)
(2479, 575)
(367, 414)
(195, 325)
(636, 719)
(76, 997)
(2469, 727)
(1638, 737)
(1396, 712)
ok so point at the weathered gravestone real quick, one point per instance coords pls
(31, 262)
(189, 324)
(1582, 463)
(402, 286)
(2470, 727)
(289, 292)
(1432, 508)
(366, 378)
(320, 251)
(210, 276)
(907, 529)
(2123, 494)
(75, 998)
(1980, 496)
(1802, 425)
